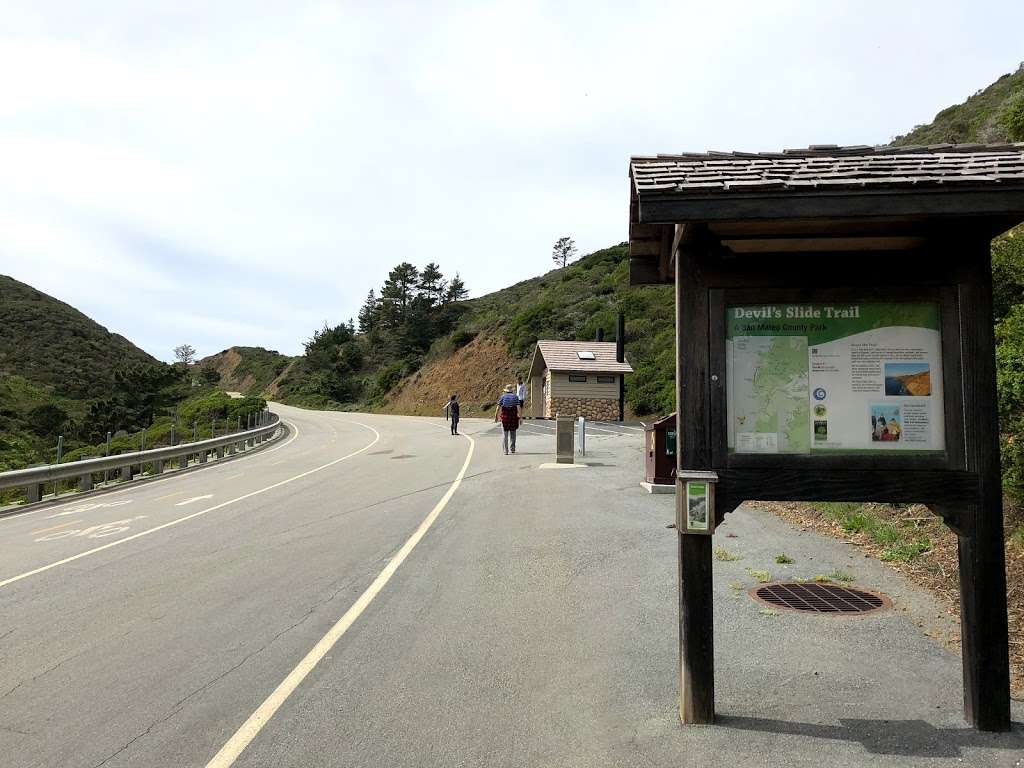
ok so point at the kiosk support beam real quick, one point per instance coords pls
(983, 619)
(696, 605)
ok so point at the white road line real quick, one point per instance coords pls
(288, 442)
(150, 484)
(179, 520)
(194, 498)
(233, 477)
(169, 495)
(251, 727)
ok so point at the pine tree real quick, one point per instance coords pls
(400, 287)
(368, 313)
(432, 283)
(456, 291)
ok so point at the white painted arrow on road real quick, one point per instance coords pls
(196, 498)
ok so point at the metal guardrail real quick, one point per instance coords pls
(32, 479)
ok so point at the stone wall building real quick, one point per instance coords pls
(576, 378)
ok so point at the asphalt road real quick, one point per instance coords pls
(253, 614)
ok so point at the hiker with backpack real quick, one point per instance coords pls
(510, 413)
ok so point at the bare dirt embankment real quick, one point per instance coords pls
(225, 363)
(477, 372)
(272, 390)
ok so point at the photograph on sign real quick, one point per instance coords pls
(827, 378)
(696, 506)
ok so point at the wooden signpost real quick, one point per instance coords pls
(835, 342)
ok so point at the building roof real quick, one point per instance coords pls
(829, 167)
(561, 356)
(824, 198)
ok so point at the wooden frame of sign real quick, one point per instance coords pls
(806, 251)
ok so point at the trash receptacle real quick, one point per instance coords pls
(660, 453)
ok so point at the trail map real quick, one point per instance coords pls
(819, 378)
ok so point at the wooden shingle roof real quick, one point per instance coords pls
(829, 167)
(562, 356)
(826, 198)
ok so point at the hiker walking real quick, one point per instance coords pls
(451, 408)
(509, 413)
(521, 393)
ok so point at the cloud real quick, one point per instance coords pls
(238, 173)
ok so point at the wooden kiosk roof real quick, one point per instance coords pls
(824, 198)
(561, 356)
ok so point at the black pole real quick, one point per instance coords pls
(620, 356)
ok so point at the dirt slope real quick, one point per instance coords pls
(477, 372)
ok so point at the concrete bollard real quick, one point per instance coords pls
(158, 466)
(220, 452)
(126, 473)
(564, 434)
(203, 456)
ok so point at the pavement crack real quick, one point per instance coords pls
(46, 671)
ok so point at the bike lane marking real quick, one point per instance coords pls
(178, 521)
(54, 527)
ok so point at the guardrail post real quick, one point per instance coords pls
(85, 481)
(203, 454)
(158, 466)
(183, 461)
(60, 452)
(126, 473)
(34, 492)
(106, 472)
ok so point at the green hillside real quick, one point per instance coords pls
(249, 370)
(572, 303)
(55, 346)
(993, 114)
(64, 375)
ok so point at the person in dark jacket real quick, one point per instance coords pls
(509, 413)
(451, 409)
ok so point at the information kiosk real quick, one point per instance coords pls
(835, 342)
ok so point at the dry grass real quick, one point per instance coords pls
(915, 542)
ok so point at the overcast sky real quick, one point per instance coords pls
(225, 173)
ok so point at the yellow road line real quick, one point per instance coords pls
(251, 727)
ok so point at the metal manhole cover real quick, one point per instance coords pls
(824, 597)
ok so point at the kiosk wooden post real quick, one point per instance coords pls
(889, 239)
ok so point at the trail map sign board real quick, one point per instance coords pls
(834, 340)
(824, 379)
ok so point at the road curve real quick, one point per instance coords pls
(154, 650)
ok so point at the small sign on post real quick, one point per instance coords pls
(695, 508)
